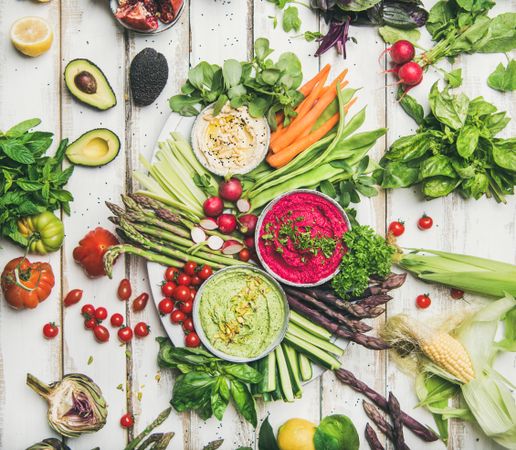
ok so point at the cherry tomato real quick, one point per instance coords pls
(423, 301)
(186, 307)
(457, 294)
(125, 334)
(396, 228)
(183, 279)
(171, 273)
(193, 292)
(425, 222)
(167, 289)
(117, 320)
(190, 268)
(177, 316)
(50, 330)
(90, 323)
(141, 329)
(205, 272)
(124, 290)
(101, 333)
(165, 306)
(127, 421)
(140, 302)
(188, 325)
(192, 340)
(196, 281)
(181, 293)
(244, 255)
(73, 297)
(101, 313)
(88, 311)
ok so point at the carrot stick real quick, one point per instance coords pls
(297, 127)
(309, 85)
(286, 155)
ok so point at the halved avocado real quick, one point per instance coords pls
(94, 148)
(88, 84)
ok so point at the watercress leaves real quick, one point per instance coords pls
(291, 20)
(261, 85)
(503, 78)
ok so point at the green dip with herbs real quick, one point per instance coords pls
(241, 312)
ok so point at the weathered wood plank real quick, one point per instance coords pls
(29, 87)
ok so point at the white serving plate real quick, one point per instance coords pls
(156, 271)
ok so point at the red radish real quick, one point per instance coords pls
(243, 205)
(215, 242)
(227, 223)
(208, 223)
(244, 255)
(249, 242)
(248, 224)
(213, 206)
(198, 235)
(231, 190)
(401, 51)
(231, 247)
(410, 74)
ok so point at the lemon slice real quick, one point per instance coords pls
(32, 36)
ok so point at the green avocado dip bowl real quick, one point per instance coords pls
(240, 313)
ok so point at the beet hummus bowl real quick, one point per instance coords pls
(299, 238)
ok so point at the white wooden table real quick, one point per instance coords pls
(213, 30)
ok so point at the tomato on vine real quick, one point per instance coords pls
(165, 306)
(101, 333)
(125, 334)
(192, 339)
(117, 320)
(89, 324)
(141, 329)
(397, 228)
(190, 268)
(186, 306)
(205, 272)
(167, 289)
(88, 311)
(183, 279)
(101, 313)
(425, 222)
(171, 273)
(188, 325)
(177, 316)
(181, 293)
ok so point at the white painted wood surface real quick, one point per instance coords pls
(213, 30)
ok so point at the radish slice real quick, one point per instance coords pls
(208, 223)
(198, 235)
(243, 205)
(231, 247)
(215, 242)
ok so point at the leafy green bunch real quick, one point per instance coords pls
(368, 256)
(207, 383)
(30, 182)
(264, 86)
(454, 148)
(463, 26)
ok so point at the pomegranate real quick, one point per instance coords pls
(144, 14)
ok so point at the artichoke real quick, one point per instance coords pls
(49, 444)
(75, 404)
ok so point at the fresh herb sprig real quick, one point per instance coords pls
(30, 182)
(454, 149)
(207, 383)
(368, 256)
(264, 86)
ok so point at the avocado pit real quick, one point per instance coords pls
(86, 82)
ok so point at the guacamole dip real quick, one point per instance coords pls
(241, 312)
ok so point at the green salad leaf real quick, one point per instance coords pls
(503, 78)
(336, 432)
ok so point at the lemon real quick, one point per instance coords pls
(32, 36)
(296, 434)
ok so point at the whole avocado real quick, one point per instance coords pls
(148, 76)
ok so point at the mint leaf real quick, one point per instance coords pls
(17, 152)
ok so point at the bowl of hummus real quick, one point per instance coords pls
(231, 142)
(298, 238)
(240, 313)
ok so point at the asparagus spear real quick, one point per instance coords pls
(374, 300)
(158, 421)
(395, 413)
(372, 438)
(371, 342)
(346, 377)
(385, 427)
(352, 324)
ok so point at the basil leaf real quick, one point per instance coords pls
(504, 153)
(220, 397)
(438, 186)
(501, 34)
(411, 106)
(476, 186)
(437, 165)
(448, 109)
(454, 78)
(244, 401)
(503, 78)
(399, 174)
(408, 148)
(191, 391)
(291, 20)
(243, 372)
(467, 140)
(266, 439)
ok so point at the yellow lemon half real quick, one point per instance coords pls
(296, 434)
(32, 36)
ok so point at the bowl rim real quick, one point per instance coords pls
(259, 224)
(249, 168)
(198, 325)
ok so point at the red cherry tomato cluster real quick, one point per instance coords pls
(179, 288)
(94, 316)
